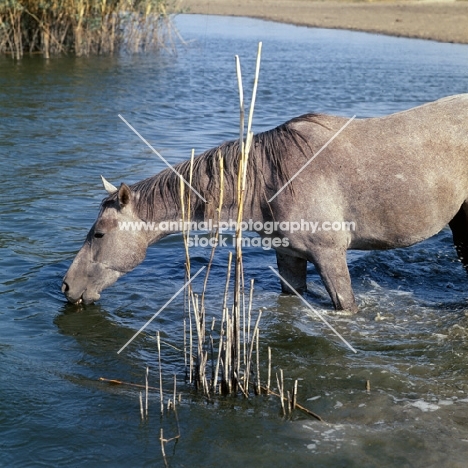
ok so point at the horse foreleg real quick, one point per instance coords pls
(333, 269)
(294, 271)
(459, 227)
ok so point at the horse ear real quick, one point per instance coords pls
(110, 189)
(125, 195)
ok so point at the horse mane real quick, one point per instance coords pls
(268, 153)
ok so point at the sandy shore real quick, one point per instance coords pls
(445, 21)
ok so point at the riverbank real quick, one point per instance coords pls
(444, 21)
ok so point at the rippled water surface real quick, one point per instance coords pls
(59, 130)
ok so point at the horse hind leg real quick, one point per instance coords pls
(294, 271)
(333, 269)
(459, 227)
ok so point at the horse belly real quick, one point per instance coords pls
(405, 219)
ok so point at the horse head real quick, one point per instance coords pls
(109, 251)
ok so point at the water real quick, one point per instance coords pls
(60, 130)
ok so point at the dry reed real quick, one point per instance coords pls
(233, 365)
(81, 27)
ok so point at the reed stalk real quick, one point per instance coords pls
(163, 451)
(142, 412)
(294, 396)
(161, 396)
(215, 235)
(186, 216)
(146, 391)
(222, 333)
(252, 341)
(257, 348)
(280, 382)
(249, 314)
(240, 207)
(269, 372)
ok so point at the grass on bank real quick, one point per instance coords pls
(80, 27)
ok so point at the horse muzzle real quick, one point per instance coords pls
(82, 297)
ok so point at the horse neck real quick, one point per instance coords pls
(205, 215)
(163, 194)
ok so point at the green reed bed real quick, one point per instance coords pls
(81, 27)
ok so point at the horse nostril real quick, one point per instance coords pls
(65, 287)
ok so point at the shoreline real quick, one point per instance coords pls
(442, 21)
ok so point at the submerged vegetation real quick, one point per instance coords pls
(80, 27)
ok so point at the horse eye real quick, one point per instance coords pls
(98, 235)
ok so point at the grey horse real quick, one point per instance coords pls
(397, 180)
